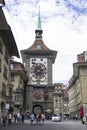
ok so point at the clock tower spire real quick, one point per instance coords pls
(39, 21)
(39, 30)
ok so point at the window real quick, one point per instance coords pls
(6, 56)
(0, 65)
(1, 45)
(12, 77)
(3, 88)
(18, 97)
(5, 73)
(56, 100)
(10, 91)
(38, 46)
(11, 66)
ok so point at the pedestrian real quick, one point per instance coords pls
(18, 115)
(39, 118)
(22, 118)
(15, 117)
(32, 118)
(81, 114)
(36, 117)
(9, 118)
(4, 118)
(42, 117)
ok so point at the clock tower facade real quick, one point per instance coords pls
(38, 61)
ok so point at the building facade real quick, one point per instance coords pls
(38, 61)
(78, 86)
(8, 48)
(60, 100)
(18, 79)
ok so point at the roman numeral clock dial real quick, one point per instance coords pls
(38, 69)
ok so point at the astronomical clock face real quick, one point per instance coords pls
(38, 70)
(38, 94)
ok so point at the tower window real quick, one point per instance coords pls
(38, 46)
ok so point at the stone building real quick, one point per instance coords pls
(38, 61)
(60, 99)
(8, 48)
(78, 86)
(18, 79)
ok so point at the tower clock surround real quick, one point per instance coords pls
(38, 60)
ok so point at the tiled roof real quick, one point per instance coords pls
(42, 50)
(38, 42)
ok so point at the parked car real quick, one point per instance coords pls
(56, 118)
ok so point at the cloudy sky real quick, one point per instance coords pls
(64, 24)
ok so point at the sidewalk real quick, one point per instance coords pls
(12, 123)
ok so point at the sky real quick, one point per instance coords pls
(64, 25)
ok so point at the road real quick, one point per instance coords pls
(48, 125)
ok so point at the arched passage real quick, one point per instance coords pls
(37, 109)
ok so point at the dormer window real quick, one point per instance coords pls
(38, 46)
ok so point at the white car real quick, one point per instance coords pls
(56, 118)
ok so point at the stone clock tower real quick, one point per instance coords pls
(38, 61)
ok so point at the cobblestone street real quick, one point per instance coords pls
(48, 125)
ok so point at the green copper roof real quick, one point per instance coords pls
(39, 22)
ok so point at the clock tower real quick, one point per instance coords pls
(38, 60)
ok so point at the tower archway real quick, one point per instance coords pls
(37, 109)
